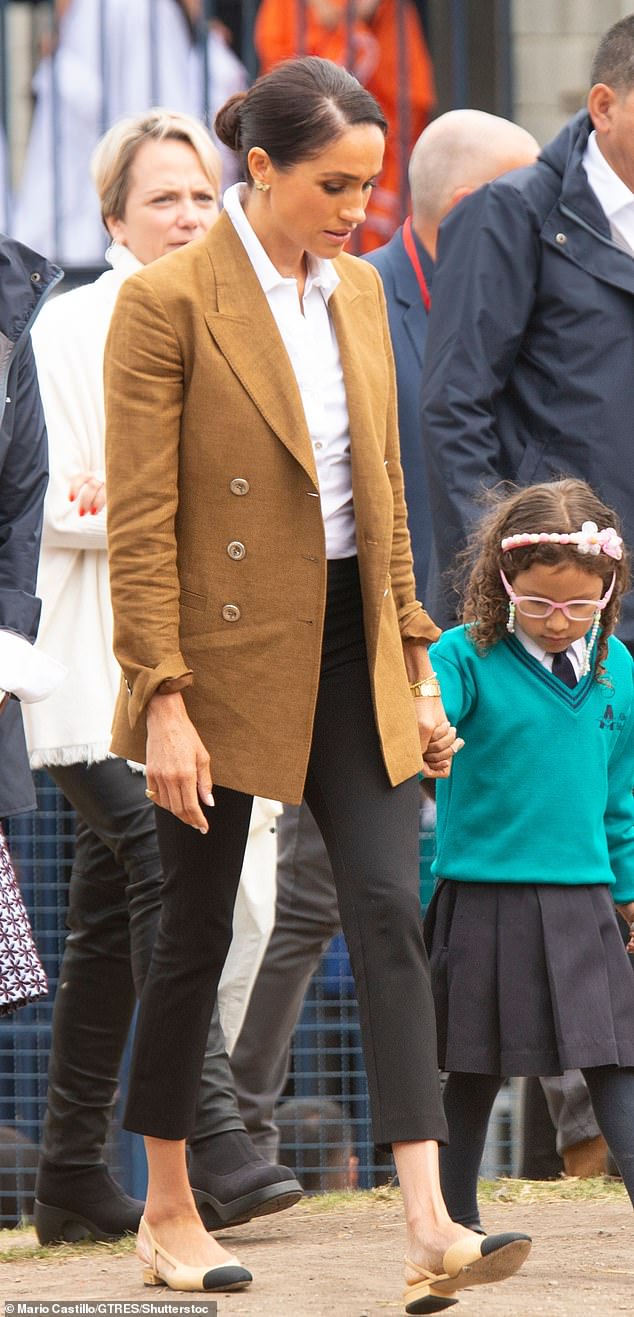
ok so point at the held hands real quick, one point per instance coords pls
(177, 764)
(88, 491)
(437, 737)
(627, 913)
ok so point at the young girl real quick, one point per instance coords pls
(535, 839)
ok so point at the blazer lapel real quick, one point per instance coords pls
(245, 331)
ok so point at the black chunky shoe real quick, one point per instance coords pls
(82, 1202)
(232, 1183)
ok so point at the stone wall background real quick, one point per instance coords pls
(552, 48)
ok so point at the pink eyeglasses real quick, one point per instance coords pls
(576, 610)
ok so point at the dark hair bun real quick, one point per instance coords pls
(227, 121)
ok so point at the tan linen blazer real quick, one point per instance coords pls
(216, 539)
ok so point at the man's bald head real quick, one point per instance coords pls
(456, 154)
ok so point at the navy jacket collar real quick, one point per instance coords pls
(25, 279)
(577, 225)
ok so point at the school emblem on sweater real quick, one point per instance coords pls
(610, 722)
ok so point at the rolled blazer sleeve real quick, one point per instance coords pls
(143, 380)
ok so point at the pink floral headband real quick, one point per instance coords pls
(588, 540)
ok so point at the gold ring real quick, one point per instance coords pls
(150, 794)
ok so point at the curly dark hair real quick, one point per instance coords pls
(559, 505)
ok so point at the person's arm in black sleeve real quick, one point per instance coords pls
(482, 296)
(23, 480)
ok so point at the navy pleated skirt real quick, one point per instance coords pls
(529, 980)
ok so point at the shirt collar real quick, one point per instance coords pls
(320, 273)
(577, 647)
(611, 191)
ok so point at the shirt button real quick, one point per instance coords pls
(561, 239)
(318, 444)
(231, 613)
(239, 485)
(236, 550)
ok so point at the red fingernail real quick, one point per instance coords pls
(81, 512)
(93, 511)
(72, 497)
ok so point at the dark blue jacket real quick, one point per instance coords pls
(408, 329)
(25, 278)
(529, 371)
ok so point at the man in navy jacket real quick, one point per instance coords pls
(456, 154)
(530, 357)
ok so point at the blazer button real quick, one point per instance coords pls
(231, 613)
(239, 485)
(236, 550)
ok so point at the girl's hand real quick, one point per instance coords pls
(436, 736)
(177, 764)
(443, 744)
(627, 913)
(88, 491)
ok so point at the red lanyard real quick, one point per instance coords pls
(410, 248)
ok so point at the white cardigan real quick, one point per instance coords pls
(69, 337)
(73, 725)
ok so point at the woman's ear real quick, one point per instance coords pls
(259, 166)
(116, 229)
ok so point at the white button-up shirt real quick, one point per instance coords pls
(576, 652)
(310, 341)
(612, 193)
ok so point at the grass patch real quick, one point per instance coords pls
(572, 1189)
(490, 1191)
(20, 1245)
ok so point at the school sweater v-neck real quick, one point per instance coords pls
(542, 791)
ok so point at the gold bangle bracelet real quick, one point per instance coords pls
(429, 686)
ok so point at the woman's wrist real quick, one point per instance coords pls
(426, 687)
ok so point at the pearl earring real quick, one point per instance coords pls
(510, 626)
(262, 187)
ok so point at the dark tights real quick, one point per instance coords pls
(468, 1102)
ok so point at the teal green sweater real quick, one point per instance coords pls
(542, 791)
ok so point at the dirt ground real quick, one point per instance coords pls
(343, 1259)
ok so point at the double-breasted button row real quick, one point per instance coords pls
(231, 613)
(239, 485)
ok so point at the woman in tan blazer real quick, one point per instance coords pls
(268, 632)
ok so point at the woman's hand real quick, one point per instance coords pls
(177, 764)
(88, 491)
(627, 913)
